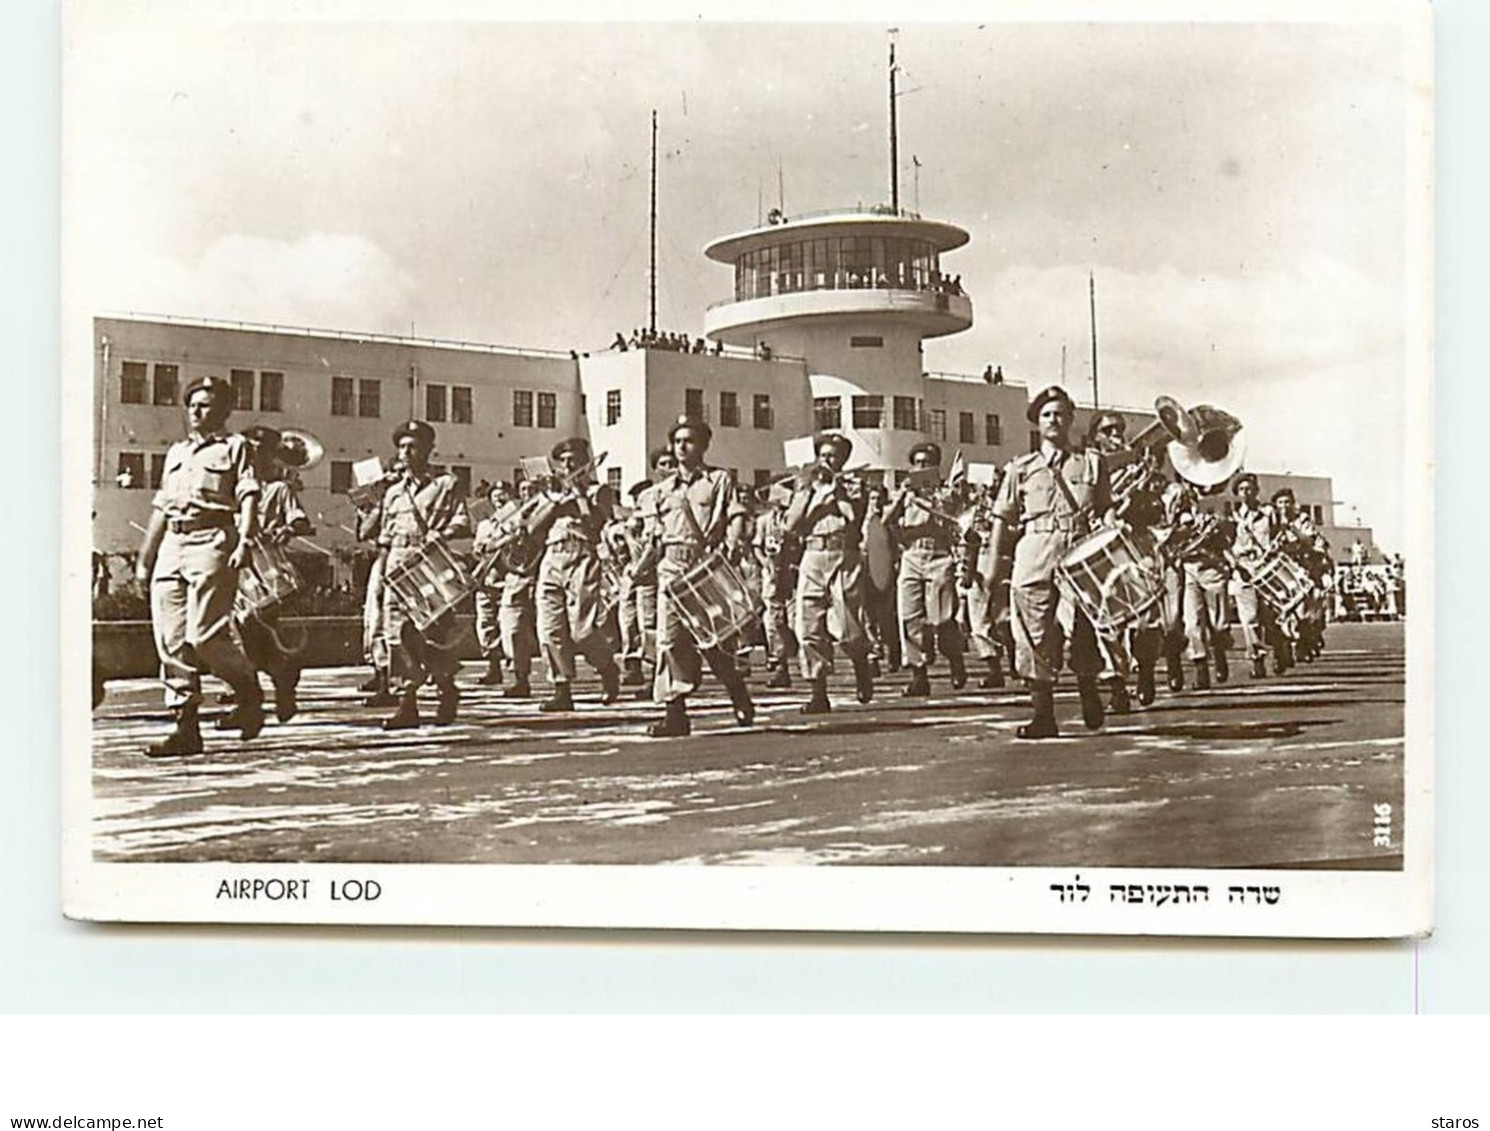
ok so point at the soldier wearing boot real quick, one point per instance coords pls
(1049, 501)
(203, 518)
(1302, 541)
(776, 557)
(572, 620)
(418, 509)
(517, 615)
(688, 515)
(975, 574)
(827, 514)
(490, 534)
(1200, 542)
(1252, 541)
(375, 646)
(280, 518)
(926, 585)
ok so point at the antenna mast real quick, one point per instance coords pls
(894, 138)
(1092, 292)
(652, 270)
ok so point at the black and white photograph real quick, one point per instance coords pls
(915, 476)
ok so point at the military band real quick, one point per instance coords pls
(559, 570)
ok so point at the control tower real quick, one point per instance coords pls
(853, 293)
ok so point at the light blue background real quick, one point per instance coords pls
(48, 965)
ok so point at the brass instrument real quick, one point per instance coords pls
(299, 450)
(1205, 445)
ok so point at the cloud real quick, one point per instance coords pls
(339, 281)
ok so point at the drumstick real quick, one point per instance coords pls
(313, 546)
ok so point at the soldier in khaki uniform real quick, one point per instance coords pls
(572, 619)
(1252, 540)
(419, 508)
(975, 575)
(827, 514)
(926, 585)
(688, 514)
(280, 518)
(489, 586)
(204, 516)
(776, 556)
(638, 609)
(517, 615)
(1302, 541)
(1050, 500)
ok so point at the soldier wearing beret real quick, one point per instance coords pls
(489, 534)
(1302, 541)
(280, 518)
(638, 608)
(687, 515)
(419, 508)
(926, 586)
(827, 514)
(572, 617)
(203, 518)
(1049, 500)
(1252, 541)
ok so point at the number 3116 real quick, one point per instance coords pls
(1381, 825)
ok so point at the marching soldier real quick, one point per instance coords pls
(418, 509)
(976, 577)
(827, 513)
(375, 646)
(688, 514)
(572, 617)
(639, 595)
(926, 587)
(1201, 541)
(489, 587)
(203, 519)
(281, 517)
(1252, 541)
(1049, 500)
(1302, 540)
(517, 616)
(776, 555)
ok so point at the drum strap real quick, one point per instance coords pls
(1060, 481)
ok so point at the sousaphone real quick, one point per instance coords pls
(299, 450)
(1206, 445)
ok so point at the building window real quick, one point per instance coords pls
(827, 413)
(132, 383)
(869, 411)
(131, 470)
(462, 405)
(613, 406)
(693, 404)
(341, 396)
(165, 384)
(462, 473)
(762, 476)
(522, 408)
(341, 476)
(1034, 440)
(905, 414)
(271, 391)
(866, 341)
(369, 397)
(242, 381)
(1318, 515)
(548, 410)
(993, 429)
(434, 403)
(613, 479)
(765, 419)
(729, 410)
(936, 424)
(157, 470)
(966, 432)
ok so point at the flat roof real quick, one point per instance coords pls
(880, 221)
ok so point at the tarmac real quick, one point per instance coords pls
(1278, 772)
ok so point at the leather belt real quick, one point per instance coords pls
(207, 521)
(929, 544)
(571, 544)
(826, 542)
(1046, 525)
(683, 552)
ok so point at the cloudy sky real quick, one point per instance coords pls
(1240, 191)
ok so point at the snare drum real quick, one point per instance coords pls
(268, 578)
(1280, 581)
(713, 600)
(1114, 576)
(429, 584)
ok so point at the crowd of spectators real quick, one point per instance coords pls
(661, 340)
